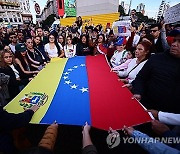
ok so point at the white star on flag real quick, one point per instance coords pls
(82, 65)
(65, 77)
(66, 73)
(75, 67)
(74, 86)
(70, 69)
(68, 82)
(84, 89)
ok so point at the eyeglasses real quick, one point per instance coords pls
(60, 38)
(29, 42)
(6, 57)
(51, 37)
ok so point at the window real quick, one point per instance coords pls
(10, 19)
(19, 19)
(5, 19)
(15, 19)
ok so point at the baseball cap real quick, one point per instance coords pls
(174, 32)
(20, 47)
(120, 41)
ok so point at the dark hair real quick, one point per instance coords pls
(149, 37)
(87, 40)
(102, 36)
(156, 25)
(12, 33)
(63, 43)
(133, 10)
(21, 59)
(56, 43)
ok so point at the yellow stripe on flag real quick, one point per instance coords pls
(46, 82)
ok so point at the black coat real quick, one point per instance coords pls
(13, 85)
(159, 83)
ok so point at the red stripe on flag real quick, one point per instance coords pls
(111, 105)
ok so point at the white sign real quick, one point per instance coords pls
(122, 28)
(172, 15)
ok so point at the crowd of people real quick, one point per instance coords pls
(147, 62)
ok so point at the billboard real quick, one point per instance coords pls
(70, 8)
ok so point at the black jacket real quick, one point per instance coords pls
(83, 50)
(159, 83)
(13, 85)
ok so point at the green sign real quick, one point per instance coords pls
(70, 8)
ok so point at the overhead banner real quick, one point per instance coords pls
(70, 8)
(60, 4)
(78, 90)
(172, 15)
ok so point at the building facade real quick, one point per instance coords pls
(93, 7)
(14, 12)
(50, 8)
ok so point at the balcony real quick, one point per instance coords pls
(15, 4)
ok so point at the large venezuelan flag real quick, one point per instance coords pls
(82, 89)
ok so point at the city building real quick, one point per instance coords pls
(14, 12)
(25, 11)
(50, 8)
(93, 7)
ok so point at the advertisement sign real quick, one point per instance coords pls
(70, 8)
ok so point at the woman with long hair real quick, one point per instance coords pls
(83, 48)
(53, 49)
(61, 40)
(69, 48)
(22, 60)
(9, 67)
(100, 45)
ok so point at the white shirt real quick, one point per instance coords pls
(12, 48)
(15, 71)
(51, 52)
(134, 72)
(169, 118)
(118, 58)
(70, 51)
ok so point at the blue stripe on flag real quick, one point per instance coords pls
(71, 104)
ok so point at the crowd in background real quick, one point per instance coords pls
(147, 62)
